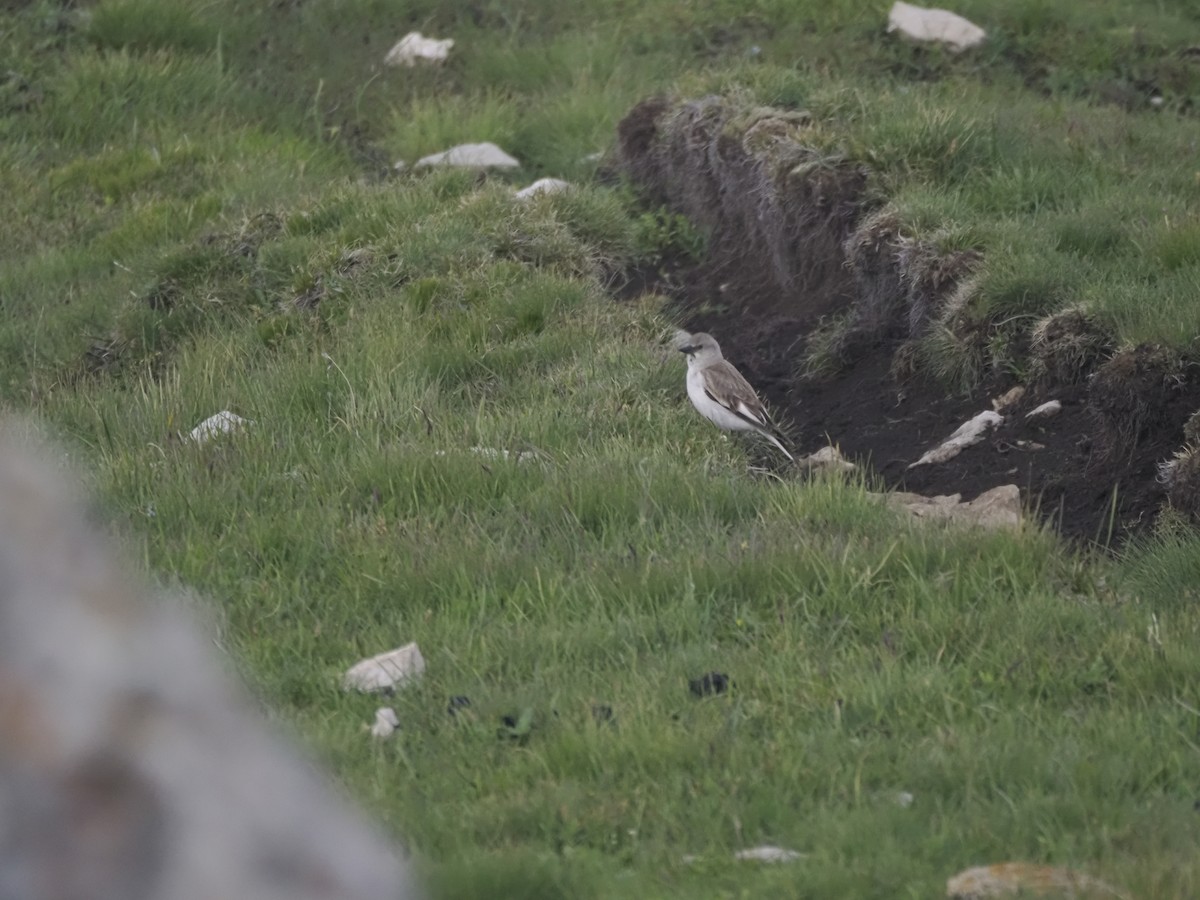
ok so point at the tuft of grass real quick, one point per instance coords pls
(1178, 246)
(1094, 232)
(142, 26)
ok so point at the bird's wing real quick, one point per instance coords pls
(725, 385)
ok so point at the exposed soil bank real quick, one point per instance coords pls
(797, 243)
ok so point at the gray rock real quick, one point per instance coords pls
(470, 156)
(998, 508)
(935, 25)
(967, 434)
(386, 671)
(1027, 880)
(543, 186)
(1047, 410)
(131, 765)
(224, 422)
(415, 48)
(768, 853)
(828, 458)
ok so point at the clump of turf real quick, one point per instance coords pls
(1181, 475)
(1066, 347)
(1191, 429)
(1131, 393)
(903, 284)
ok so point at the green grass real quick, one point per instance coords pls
(175, 177)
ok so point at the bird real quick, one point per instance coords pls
(720, 393)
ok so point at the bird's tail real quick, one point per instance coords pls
(774, 440)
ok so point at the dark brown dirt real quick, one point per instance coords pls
(788, 251)
(1067, 474)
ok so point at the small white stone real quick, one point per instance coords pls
(386, 670)
(399, 166)
(386, 722)
(543, 186)
(828, 458)
(493, 453)
(1045, 411)
(768, 853)
(1008, 398)
(936, 25)
(968, 433)
(470, 156)
(904, 799)
(223, 422)
(414, 47)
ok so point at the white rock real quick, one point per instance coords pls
(768, 853)
(1045, 411)
(998, 508)
(386, 722)
(1027, 880)
(939, 25)
(904, 799)
(470, 156)
(543, 186)
(223, 422)
(414, 47)
(493, 453)
(828, 458)
(968, 433)
(386, 671)
(399, 166)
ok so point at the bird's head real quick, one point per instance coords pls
(700, 348)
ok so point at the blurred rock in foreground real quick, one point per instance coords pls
(130, 764)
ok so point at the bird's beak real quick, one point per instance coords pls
(689, 349)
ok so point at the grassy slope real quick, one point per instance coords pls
(222, 158)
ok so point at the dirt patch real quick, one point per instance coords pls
(806, 265)
(1065, 472)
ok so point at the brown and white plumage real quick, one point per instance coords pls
(721, 394)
